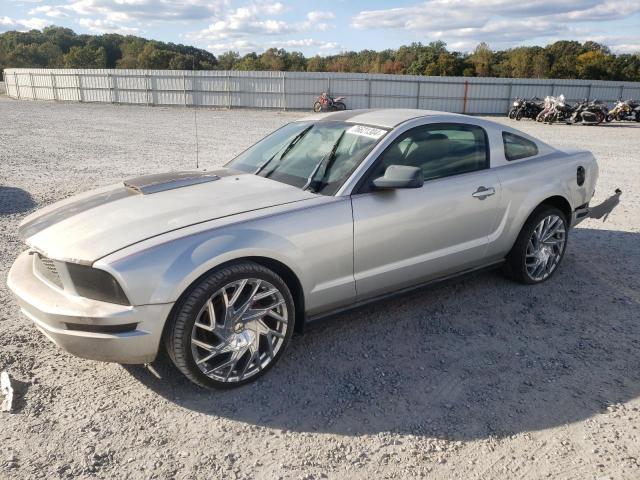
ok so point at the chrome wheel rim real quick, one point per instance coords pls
(545, 247)
(239, 330)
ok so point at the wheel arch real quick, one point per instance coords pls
(560, 202)
(292, 281)
(281, 269)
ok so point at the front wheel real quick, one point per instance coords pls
(519, 115)
(608, 118)
(512, 113)
(232, 327)
(317, 107)
(540, 246)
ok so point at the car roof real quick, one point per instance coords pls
(378, 117)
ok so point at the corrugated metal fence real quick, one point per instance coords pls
(298, 90)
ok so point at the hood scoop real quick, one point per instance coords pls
(161, 182)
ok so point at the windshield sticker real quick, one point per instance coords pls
(366, 131)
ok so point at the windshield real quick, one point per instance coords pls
(318, 156)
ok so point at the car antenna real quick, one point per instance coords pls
(195, 106)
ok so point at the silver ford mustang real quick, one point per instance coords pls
(326, 213)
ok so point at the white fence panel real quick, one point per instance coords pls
(298, 90)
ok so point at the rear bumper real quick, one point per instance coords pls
(579, 214)
(78, 324)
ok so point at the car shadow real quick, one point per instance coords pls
(15, 200)
(470, 358)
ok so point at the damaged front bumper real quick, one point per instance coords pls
(84, 327)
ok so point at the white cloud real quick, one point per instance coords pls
(7, 23)
(140, 10)
(49, 11)
(244, 46)
(320, 16)
(305, 43)
(105, 26)
(253, 20)
(502, 23)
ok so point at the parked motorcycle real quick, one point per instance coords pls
(589, 113)
(561, 111)
(327, 103)
(548, 109)
(517, 104)
(529, 109)
(625, 110)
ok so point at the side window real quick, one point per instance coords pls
(440, 150)
(517, 147)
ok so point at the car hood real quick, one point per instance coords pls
(89, 226)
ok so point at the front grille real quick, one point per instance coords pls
(47, 268)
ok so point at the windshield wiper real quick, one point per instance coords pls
(325, 162)
(292, 144)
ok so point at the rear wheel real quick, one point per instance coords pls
(340, 106)
(232, 327)
(540, 246)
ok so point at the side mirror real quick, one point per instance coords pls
(399, 176)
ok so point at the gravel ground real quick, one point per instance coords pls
(475, 378)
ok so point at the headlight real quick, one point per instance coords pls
(96, 284)
(515, 104)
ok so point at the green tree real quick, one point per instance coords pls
(562, 55)
(249, 62)
(539, 64)
(482, 60)
(272, 59)
(155, 58)
(86, 57)
(520, 62)
(228, 60)
(58, 47)
(180, 61)
(593, 65)
(131, 49)
(316, 64)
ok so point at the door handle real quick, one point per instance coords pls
(483, 192)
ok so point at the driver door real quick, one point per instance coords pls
(403, 237)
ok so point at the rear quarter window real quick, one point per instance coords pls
(517, 147)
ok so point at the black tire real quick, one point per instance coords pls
(637, 116)
(519, 115)
(608, 118)
(515, 264)
(317, 107)
(177, 335)
(340, 106)
(512, 114)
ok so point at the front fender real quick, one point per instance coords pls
(160, 274)
(314, 239)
